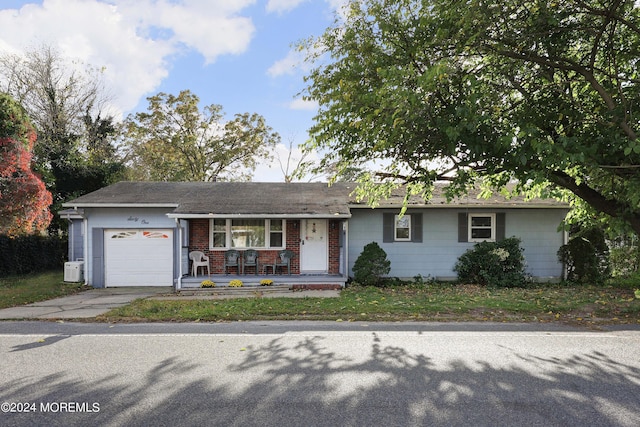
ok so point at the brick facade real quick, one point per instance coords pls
(199, 241)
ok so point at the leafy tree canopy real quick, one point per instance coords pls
(24, 200)
(74, 151)
(175, 141)
(544, 92)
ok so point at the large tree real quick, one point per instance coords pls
(175, 141)
(544, 92)
(24, 200)
(64, 99)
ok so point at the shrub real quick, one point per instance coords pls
(499, 264)
(586, 256)
(266, 282)
(235, 283)
(207, 284)
(624, 255)
(371, 265)
(31, 254)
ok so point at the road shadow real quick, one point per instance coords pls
(303, 382)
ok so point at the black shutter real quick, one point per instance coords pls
(500, 226)
(416, 227)
(463, 227)
(388, 227)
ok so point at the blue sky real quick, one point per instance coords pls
(236, 53)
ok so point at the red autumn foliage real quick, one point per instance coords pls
(24, 200)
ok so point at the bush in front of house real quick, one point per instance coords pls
(235, 283)
(207, 284)
(31, 254)
(371, 265)
(586, 256)
(497, 264)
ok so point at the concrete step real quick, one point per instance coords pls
(244, 290)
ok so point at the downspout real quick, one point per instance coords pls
(345, 228)
(565, 240)
(179, 252)
(85, 248)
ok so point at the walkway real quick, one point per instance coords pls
(91, 303)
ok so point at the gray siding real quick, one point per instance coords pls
(436, 255)
(99, 219)
(76, 240)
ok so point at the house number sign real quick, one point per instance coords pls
(136, 219)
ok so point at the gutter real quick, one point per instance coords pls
(463, 206)
(120, 205)
(257, 216)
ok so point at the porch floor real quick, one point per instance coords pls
(294, 281)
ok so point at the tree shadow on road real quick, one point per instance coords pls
(303, 382)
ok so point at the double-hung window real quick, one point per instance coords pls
(247, 233)
(402, 228)
(482, 227)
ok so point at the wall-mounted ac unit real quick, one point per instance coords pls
(74, 271)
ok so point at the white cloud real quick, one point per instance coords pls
(133, 40)
(282, 6)
(287, 65)
(301, 104)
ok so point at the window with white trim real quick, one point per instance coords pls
(247, 233)
(218, 233)
(482, 227)
(402, 228)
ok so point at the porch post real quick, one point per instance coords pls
(178, 255)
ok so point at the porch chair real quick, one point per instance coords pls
(283, 260)
(231, 259)
(250, 259)
(198, 259)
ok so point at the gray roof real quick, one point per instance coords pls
(471, 200)
(261, 199)
(226, 198)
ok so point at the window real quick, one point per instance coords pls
(402, 230)
(276, 231)
(482, 227)
(407, 228)
(219, 233)
(247, 233)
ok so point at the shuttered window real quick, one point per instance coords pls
(407, 228)
(479, 227)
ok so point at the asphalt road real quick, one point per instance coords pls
(317, 374)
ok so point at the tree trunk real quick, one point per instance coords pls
(596, 200)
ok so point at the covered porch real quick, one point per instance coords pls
(293, 281)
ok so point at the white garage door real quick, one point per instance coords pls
(138, 257)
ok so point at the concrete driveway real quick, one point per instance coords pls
(86, 304)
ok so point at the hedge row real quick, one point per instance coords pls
(31, 254)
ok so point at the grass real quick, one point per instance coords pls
(421, 302)
(25, 289)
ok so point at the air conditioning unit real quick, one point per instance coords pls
(74, 271)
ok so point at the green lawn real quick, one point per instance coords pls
(614, 303)
(20, 290)
(432, 302)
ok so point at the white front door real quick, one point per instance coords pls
(314, 249)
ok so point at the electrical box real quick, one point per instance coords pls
(74, 271)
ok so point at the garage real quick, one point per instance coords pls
(138, 257)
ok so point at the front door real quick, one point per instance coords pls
(314, 249)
